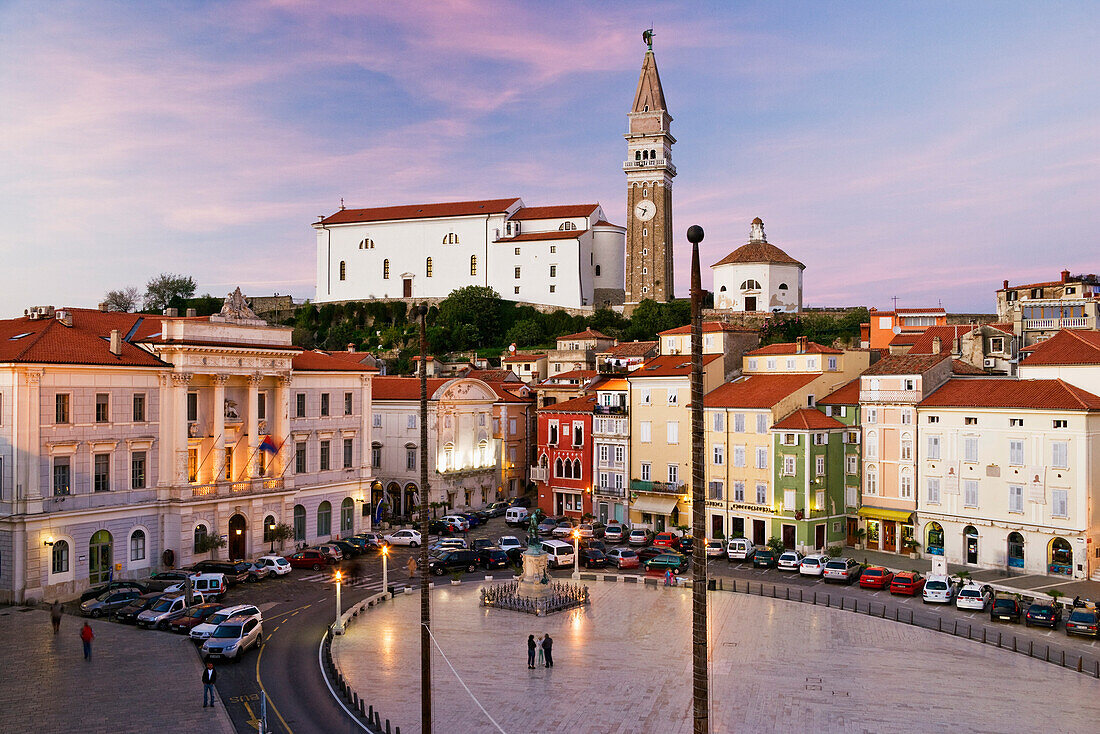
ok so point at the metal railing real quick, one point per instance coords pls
(889, 396)
(1074, 322)
(604, 491)
(641, 485)
(610, 410)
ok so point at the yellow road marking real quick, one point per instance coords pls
(295, 614)
(259, 656)
(252, 720)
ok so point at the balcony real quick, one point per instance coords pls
(610, 410)
(538, 473)
(602, 491)
(236, 489)
(651, 163)
(1075, 322)
(640, 485)
(889, 396)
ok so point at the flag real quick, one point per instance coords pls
(268, 445)
(378, 509)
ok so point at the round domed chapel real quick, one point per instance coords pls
(758, 277)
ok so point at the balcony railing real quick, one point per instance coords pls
(889, 396)
(1075, 322)
(610, 410)
(538, 473)
(236, 489)
(640, 485)
(650, 163)
(603, 491)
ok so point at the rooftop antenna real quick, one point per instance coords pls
(895, 300)
(341, 203)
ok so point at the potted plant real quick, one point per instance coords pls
(456, 577)
(913, 546)
(1054, 594)
(860, 534)
(282, 533)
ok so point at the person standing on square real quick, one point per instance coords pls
(208, 677)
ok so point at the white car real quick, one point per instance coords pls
(973, 596)
(233, 637)
(789, 561)
(715, 549)
(564, 531)
(404, 537)
(274, 564)
(740, 549)
(508, 542)
(459, 523)
(202, 631)
(938, 590)
(449, 544)
(812, 565)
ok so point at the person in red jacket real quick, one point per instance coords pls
(86, 636)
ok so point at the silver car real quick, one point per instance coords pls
(232, 638)
(204, 630)
(789, 561)
(844, 570)
(614, 533)
(938, 590)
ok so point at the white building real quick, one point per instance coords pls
(611, 451)
(758, 277)
(1070, 355)
(567, 256)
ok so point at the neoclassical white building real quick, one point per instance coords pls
(758, 277)
(567, 256)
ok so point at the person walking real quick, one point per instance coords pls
(548, 646)
(531, 652)
(541, 650)
(208, 677)
(668, 577)
(86, 636)
(55, 616)
(412, 567)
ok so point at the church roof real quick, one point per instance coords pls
(649, 93)
(758, 252)
(421, 211)
(555, 212)
(568, 234)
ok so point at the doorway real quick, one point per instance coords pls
(717, 527)
(819, 536)
(889, 536)
(758, 532)
(603, 512)
(853, 526)
(970, 537)
(237, 527)
(750, 303)
(407, 287)
(99, 557)
(788, 536)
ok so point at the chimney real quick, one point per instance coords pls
(65, 316)
(192, 312)
(171, 312)
(937, 345)
(801, 344)
(351, 347)
(103, 307)
(955, 346)
(1005, 286)
(1065, 276)
(116, 342)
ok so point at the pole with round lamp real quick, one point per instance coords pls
(271, 530)
(338, 626)
(385, 569)
(425, 591)
(576, 553)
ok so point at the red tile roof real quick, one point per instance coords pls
(756, 391)
(86, 342)
(420, 211)
(1067, 347)
(758, 252)
(520, 357)
(631, 349)
(582, 375)
(316, 361)
(605, 223)
(583, 404)
(905, 339)
(808, 419)
(555, 212)
(905, 364)
(403, 388)
(847, 394)
(571, 234)
(491, 375)
(792, 348)
(356, 357)
(669, 365)
(586, 334)
(1006, 392)
(504, 392)
(901, 311)
(1006, 328)
(709, 327)
(959, 367)
(947, 334)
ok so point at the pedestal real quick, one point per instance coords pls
(534, 570)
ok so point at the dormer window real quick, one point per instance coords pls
(450, 239)
(366, 244)
(567, 227)
(750, 285)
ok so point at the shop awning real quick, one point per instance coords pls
(881, 513)
(655, 505)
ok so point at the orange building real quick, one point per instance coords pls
(885, 325)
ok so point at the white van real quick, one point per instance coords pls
(561, 554)
(516, 515)
(740, 549)
(210, 585)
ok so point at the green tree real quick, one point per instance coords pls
(474, 315)
(525, 333)
(165, 288)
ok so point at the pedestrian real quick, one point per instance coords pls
(668, 577)
(541, 650)
(548, 646)
(55, 616)
(412, 567)
(208, 677)
(531, 652)
(86, 636)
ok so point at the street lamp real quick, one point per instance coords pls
(338, 626)
(385, 569)
(576, 553)
(271, 529)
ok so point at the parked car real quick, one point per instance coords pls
(908, 583)
(458, 522)
(407, 537)
(1006, 609)
(740, 549)
(350, 550)
(157, 615)
(236, 572)
(451, 560)
(163, 579)
(128, 614)
(375, 540)
(813, 565)
(496, 509)
(875, 577)
(440, 527)
(108, 602)
(765, 558)
(520, 502)
(638, 536)
(789, 561)
(210, 585)
(715, 549)
(623, 558)
(547, 526)
(1043, 614)
(361, 544)
(652, 551)
(1083, 621)
(333, 552)
(561, 554)
(595, 545)
(309, 558)
(974, 596)
(593, 558)
(492, 557)
(449, 544)
(683, 544)
(515, 515)
(201, 631)
(480, 543)
(564, 530)
(844, 570)
(591, 530)
(258, 571)
(938, 590)
(663, 539)
(95, 591)
(615, 533)
(191, 617)
(667, 561)
(232, 638)
(277, 565)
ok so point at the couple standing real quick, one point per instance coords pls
(544, 647)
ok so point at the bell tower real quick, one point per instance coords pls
(649, 173)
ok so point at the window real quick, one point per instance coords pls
(872, 445)
(739, 456)
(1016, 498)
(450, 239)
(970, 448)
(376, 456)
(348, 451)
(819, 466)
(905, 484)
(906, 448)
(645, 471)
(1059, 454)
(428, 268)
(62, 476)
(192, 465)
(970, 493)
(906, 417)
(761, 494)
(60, 557)
(386, 269)
(229, 464)
(673, 432)
(851, 437)
(324, 518)
(790, 499)
(102, 408)
(1016, 422)
(719, 420)
(673, 396)
(790, 439)
(750, 285)
(517, 250)
(1016, 453)
(326, 447)
(137, 470)
(933, 419)
(553, 271)
(673, 473)
(644, 397)
(512, 426)
(261, 406)
(761, 422)
(790, 364)
(410, 459)
(473, 264)
(1059, 502)
(101, 480)
(300, 457)
(832, 364)
(300, 405)
(61, 408)
(349, 400)
(620, 454)
(137, 545)
(553, 249)
(139, 407)
(872, 415)
(719, 454)
(597, 271)
(851, 496)
(552, 431)
(364, 244)
(198, 537)
(192, 406)
(771, 363)
(934, 490)
(299, 523)
(324, 404)
(644, 432)
(714, 491)
(517, 272)
(347, 516)
(1060, 423)
(872, 479)
(970, 421)
(997, 345)
(851, 464)
(738, 422)
(376, 420)
(343, 270)
(738, 491)
(933, 447)
(788, 465)
(761, 457)
(410, 420)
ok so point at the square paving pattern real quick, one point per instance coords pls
(624, 665)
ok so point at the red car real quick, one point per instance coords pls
(909, 583)
(875, 577)
(193, 617)
(310, 558)
(663, 540)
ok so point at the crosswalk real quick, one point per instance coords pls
(366, 580)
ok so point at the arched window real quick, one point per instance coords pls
(567, 226)
(269, 529)
(905, 483)
(137, 545)
(343, 270)
(347, 515)
(483, 453)
(722, 289)
(451, 239)
(872, 445)
(750, 285)
(448, 456)
(366, 244)
(645, 289)
(324, 518)
(473, 264)
(653, 155)
(1061, 557)
(872, 479)
(1015, 550)
(906, 447)
(577, 469)
(428, 268)
(200, 534)
(597, 271)
(645, 155)
(386, 269)
(558, 470)
(60, 556)
(637, 155)
(934, 536)
(782, 286)
(299, 523)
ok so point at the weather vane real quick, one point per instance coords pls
(647, 37)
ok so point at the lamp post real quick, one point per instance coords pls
(338, 626)
(385, 569)
(576, 553)
(271, 529)
(425, 597)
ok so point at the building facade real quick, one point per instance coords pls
(565, 456)
(611, 451)
(843, 405)
(1038, 310)
(758, 277)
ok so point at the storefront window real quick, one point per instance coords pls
(935, 539)
(1061, 557)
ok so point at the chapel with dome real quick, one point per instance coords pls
(758, 277)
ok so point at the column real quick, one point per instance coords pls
(253, 425)
(281, 414)
(366, 436)
(31, 443)
(178, 437)
(218, 408)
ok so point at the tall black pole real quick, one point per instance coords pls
(700, 692)
(425, 595)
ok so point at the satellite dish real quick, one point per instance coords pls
(897, 329)
(512, 348)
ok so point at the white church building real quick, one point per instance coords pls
(758, 277)
(563, 256)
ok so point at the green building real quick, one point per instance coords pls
(843, 405)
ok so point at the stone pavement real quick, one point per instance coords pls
(137, 681)
(624, 665)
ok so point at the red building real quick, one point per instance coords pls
(564, 457)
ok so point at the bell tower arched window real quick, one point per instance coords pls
(473, 264)
(428, 268)
(343, 270)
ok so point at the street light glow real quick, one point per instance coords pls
(337, 577)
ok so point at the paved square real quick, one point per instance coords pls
(624, 665)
